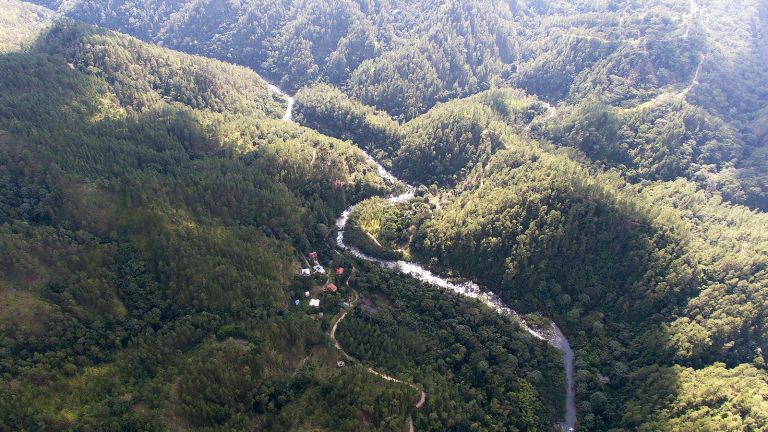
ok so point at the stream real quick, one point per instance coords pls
(553, 335)
(288, 116)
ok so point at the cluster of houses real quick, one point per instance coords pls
(329, 288)
(318, 269)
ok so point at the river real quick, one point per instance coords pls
(288, 116)
(553, 335)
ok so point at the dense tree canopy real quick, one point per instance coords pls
(136, 236)
(603, 164)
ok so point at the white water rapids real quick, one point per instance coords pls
(469, 289)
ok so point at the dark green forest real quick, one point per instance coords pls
(642, 290)
(600, 164)
(480, 370)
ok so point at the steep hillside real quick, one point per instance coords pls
(403, 57)
(143, 74)
(153, 218)
(640, 286)
(329, 110)
(559, 50)
(137, 239)
(440, 146)
(664, 140)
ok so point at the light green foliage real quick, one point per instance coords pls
(710, 399)
(385, 230)
(143, 74)
(20, 23)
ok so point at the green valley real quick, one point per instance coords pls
(395, 215)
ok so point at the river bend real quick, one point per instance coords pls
(553, 335)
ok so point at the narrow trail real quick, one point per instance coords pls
(682, 94)
(689, 19)
(374, 240)
(423, 396)
(340, 318)
(695, 80)
(332, 335)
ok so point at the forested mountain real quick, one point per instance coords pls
(663, 141)
(617, 51)
(153, 213)
(617, 262)
(460, 48)
(136, 237)
(600, 164)
(440, 146)
(143, 74)
(403, 57)
(482, 371)
(647, 287)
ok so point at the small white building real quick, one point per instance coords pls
(319, 269)
(314, 303)
(306, 293)
(305, 272)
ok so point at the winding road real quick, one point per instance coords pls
(332, 335)
(553, 335)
